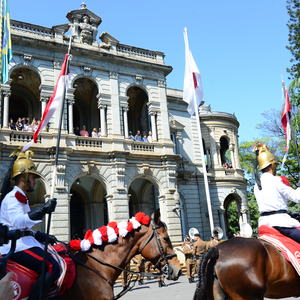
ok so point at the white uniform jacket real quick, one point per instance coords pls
(14, 214)
(274, 196)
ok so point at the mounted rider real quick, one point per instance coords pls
(272, 194)
(15, 212)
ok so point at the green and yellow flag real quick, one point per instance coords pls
(5, 41)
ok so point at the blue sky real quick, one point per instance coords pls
(239, 45)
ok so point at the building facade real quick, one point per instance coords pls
(116, 89)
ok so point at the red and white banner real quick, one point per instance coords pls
(192, 87)
(54, 102)
(286, 120)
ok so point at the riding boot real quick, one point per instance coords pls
(161, 283)
(190, 280)
(36, 292)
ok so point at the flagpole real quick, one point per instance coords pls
(204, 171)
(59, 126)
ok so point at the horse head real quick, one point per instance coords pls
(156, 246)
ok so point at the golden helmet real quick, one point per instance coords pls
(23, 163)
(264, 156)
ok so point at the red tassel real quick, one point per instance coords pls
(75, 244)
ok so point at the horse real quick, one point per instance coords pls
(244, 269)
(98, 269)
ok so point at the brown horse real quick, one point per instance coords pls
(245, 269)
(95, 280)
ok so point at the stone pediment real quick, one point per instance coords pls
(78, 15)
(108, 39)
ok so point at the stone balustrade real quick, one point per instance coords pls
(31, 28)
(87, 142)
(134, 51)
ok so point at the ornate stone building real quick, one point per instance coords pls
(117, 88)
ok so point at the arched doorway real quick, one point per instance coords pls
(88, 207)
(143, 196)
(37, 198)
(138, 117)
(232, 205)
(24, 101)
(85, 111)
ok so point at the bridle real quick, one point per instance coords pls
(163, 257)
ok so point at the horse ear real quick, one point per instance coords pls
(156, 217)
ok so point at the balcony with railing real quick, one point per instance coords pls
(81, 143)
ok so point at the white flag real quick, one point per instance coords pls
(192, 87)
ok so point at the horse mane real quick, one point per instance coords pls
(110, 233)
(206, 274)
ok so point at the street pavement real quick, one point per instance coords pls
(179, 289)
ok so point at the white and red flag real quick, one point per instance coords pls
(286, 119)
(54, 102)
(192, 86)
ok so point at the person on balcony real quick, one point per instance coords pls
(150, 137)
(19, 124)
(83, 131)
(12, 124)
(95, 133)
(145, 138)
(138, 136)
(130, 136)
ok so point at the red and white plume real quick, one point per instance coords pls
(54, 102)
(192, 86)
(286, 120)
(110, 233)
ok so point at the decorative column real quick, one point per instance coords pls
(153, 125)
(70, 113)
(125, 120)
(6, 94)
(231, 149)
(115, 104)
(103, 120)
(44, 100)
(236, 151)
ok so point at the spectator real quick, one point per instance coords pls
(99, 132)
(138, 136)
(83, 131)
(76, 130)
(36, 125)
(19, 124)
(25, 124)
(12, 124)
(145, 139)
(95, 133)
(150, 137)
(130, 136)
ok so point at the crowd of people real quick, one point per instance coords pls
(24, 124)
(193, 250)
(95, 133)
(139, 137)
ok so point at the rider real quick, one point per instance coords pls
(272, 195)
(15, 212)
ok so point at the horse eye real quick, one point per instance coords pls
(167, 239)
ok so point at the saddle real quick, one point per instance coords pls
(24, 278)
(288, 247)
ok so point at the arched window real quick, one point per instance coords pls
(85, 111)
(143, 196)
(24, 101)
(138, 117)
(224, 153)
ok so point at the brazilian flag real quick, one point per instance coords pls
(5, 41)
